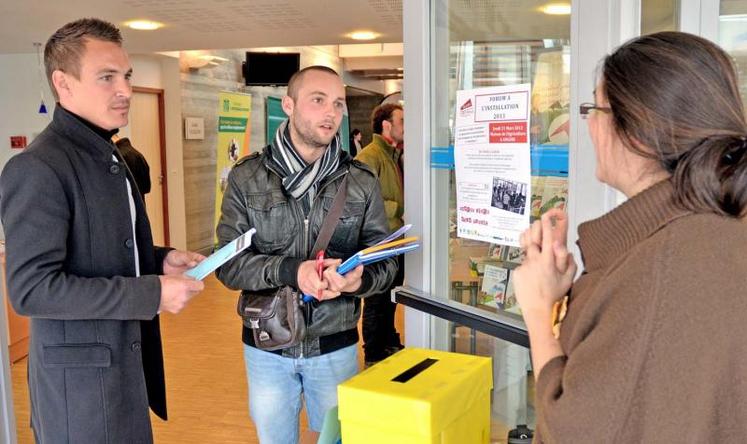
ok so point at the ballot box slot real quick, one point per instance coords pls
(414, 370)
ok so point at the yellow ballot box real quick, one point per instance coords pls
(418, 396)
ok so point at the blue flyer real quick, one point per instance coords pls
(221, 256)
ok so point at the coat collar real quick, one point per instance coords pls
(390, 151)
(83, 135)
(605, 239)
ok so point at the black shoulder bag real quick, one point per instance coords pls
(276, 319)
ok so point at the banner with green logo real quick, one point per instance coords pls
(234, 111)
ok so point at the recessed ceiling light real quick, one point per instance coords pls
(363, 35)
(144, 25)
(557, 9)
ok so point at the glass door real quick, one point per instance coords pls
(458, 292)
(478, 45)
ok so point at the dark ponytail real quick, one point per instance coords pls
(675, 98)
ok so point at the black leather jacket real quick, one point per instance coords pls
(254, 198)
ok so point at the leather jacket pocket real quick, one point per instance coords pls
(272, 216)
(344, 240)
(76, 355)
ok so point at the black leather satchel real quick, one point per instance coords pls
(276, 319)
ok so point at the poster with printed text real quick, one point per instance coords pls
(233, 140)
(492, 161)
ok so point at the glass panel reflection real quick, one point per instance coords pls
(658, 15)
(512, 401)
(733, 37)
(483, 44)
(498, 43)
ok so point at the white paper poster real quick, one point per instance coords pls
(492, 161)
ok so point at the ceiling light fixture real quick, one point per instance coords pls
(733, 18)
(198, 60)
(363, 35)
(557, 9)
(144, 25)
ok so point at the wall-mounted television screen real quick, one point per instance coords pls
(270, 68)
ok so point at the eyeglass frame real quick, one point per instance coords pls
(585, 109)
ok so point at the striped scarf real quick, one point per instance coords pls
(300, 179)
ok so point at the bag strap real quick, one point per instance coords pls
(331, 219)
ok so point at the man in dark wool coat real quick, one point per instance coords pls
(80, 256)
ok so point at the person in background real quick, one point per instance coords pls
(80, 256)
(135, 162)
(285, 193)
(649, 344)
(380, 337)
(355, 142)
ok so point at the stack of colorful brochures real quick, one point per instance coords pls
(388, 247)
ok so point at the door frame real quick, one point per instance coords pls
(162, 152)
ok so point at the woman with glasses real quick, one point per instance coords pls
(649, 344)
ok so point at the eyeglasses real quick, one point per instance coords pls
(587, 109)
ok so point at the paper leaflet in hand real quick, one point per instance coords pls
(221, 256)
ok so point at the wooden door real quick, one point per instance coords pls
(18, 326)
(147, 136)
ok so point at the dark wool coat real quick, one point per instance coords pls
(95, 360)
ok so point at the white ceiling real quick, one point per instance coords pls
(224, 24)
(205, 24)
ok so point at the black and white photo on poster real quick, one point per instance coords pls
(509, 195)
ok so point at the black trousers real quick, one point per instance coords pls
(378, 320)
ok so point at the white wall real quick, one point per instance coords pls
(19, 106)
(20, 100)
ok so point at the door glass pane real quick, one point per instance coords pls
(490, 44)
(484, 44)
(658, 15)
(733, 37)
(512, 398)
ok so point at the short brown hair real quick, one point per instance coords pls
(675, 99)
(295, 80)
(382, 113)
(65, 48)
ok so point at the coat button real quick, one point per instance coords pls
(129, 243)
(114, 169)
(135, 346)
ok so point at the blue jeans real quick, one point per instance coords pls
(276, 384)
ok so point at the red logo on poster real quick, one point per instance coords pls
(508, 132)
(466, 105)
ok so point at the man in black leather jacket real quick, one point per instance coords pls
(284, 193)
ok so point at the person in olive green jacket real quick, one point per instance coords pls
(383, 156)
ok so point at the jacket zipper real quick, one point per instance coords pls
(308, 308)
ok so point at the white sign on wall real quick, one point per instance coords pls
(194, 128)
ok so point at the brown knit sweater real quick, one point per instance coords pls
(655, 339)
